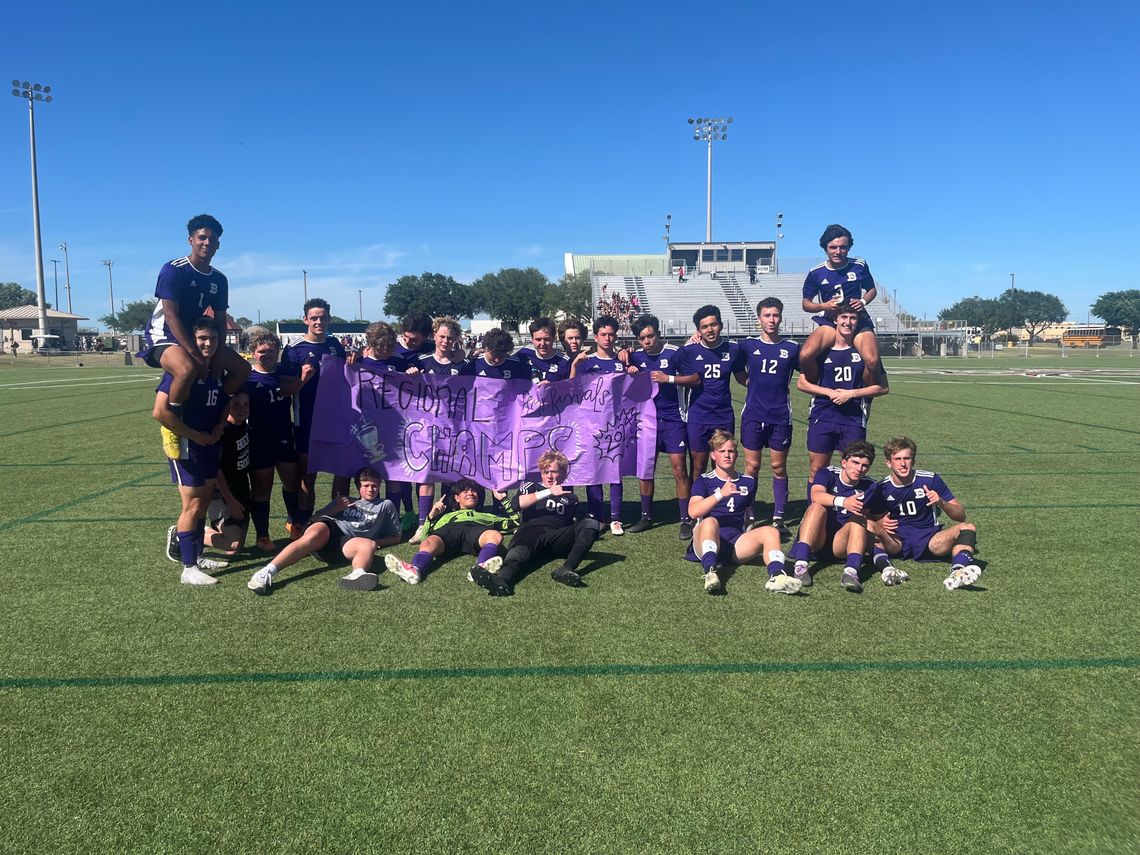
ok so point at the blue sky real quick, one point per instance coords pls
(960, 142)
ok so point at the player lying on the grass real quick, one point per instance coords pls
(197, 426)
(273, 448)
(669, 367)
(715, 360)
(903, 516)
(187, 289)
(841, 404)
(546, 363)
(603, 361)
(835, 518)
(456, 524)
(836, 281)
(719, 502)
(766, 421)
(343, 529)
(548, 530)
(228, 515)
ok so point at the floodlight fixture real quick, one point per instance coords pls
(709, 130)
(108, 263)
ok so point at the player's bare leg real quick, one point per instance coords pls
(821, 339)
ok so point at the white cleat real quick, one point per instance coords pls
(616, 528)
(211, 564)
(402, 569)
(419, 535)
(194, 576)
(781, 583)
(712, 582)
(960, 577)
(260, 582)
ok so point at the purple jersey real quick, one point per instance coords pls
(193, 291)
(769, 366)
(710, 402)
(909, 504)
(553, 511)
(600, 365)
(729, 511)
(428, 364)
(832, 479)
(511, 368)
(670, 360)
(305, 352)
(840, 368)
(270, 411)
(385, 365)
(850, 282)
(426, 346)
(555, 368)
(203, 409)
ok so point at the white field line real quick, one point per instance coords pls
(72, 383)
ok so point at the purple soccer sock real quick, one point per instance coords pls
(683, 507)
(259, 512)
(963, 557)
(486, 553)
(425, 505)
(880, 558)
(292, 500)
(800, 551)
(779, 496)
(775, 568)
(647, 506)
(855, 559)
(617, 493)
(708, 559)
(422, 560)
(187, 548)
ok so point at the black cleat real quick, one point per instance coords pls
(567, 577)
(490, 582)
(778, 524)
(643, 524)
(686, 532)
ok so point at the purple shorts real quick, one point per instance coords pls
(671, 435)
(828, 437)
(755, 435)
(726, 552)
(266, 452)
(199, 466)
(914, 543)
(701, 432)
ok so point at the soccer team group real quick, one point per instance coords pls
(230, 426)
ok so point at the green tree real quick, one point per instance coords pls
(12, 295)
(1034, 310)
(243, 322)
(433, 293)
(512, 295)
(133, 316)
(570, 297)
(1120, 309)
(990, 315)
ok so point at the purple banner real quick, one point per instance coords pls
(425, 428)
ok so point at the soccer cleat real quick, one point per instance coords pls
(782, 583)
(171, 443)
(490, 582)
(893, 576)
(419, 535)
(359, 580)
(205, 563)
(803, 573)
(567, 577)
(616, 528)
(265, 544)
(402, 568)
(294, 529)
(850, 580)
(172, 551)
(686, 532)
(961, 576)
(491, 565)
(643, 524)
(712, 582)
(784, 531)
(194, 576)
(260, 582)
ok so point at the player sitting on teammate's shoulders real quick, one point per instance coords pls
(457, 523)
(719, 502)
(548, 530)
(835, 517)
(229, 511)
(197, 426)
(903, 517)
(342, 529)
(836, 281)
(841, 405)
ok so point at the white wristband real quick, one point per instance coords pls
(542, 494)
(837, 503)
(672, 379)
(718, 493)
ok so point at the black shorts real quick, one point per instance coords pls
(461, 537)
(331, 551)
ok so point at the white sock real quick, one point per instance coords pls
(356, 573)
(708, 546)
(271, 569)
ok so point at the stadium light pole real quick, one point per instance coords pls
(779, 237)
(360, 304)
(305, 274)
(66, 275)
(34, 92)
(55, 275)
(709, 130)
(110, 283)
(1013, 282)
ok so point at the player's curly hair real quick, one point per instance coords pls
(451, 500)
(262, 335)
(380, 336)
(204, 221)
(446, 321)
(832, 232)
(556, 457)
(498, 342)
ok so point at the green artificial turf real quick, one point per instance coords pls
(637, 715)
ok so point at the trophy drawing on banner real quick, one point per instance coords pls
(368, 438)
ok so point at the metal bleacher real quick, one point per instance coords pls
(675, 302)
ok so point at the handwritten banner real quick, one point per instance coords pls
(425, 428)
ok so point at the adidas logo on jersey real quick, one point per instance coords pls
(700, 358)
